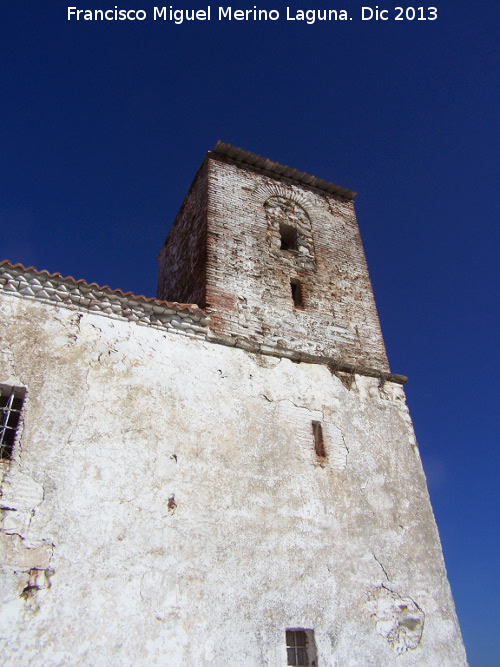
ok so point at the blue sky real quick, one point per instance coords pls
(105, 123)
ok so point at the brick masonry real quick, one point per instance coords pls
(183, 258)
(234, 247)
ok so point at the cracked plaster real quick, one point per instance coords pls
(168, 502)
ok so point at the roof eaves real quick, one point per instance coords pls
(58, 290)
(260, 163)
(94, 287)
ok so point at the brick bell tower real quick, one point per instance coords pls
(275, 257)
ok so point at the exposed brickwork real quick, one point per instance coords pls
(183, 256)
(248, 275)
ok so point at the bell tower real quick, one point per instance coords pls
(275, 257)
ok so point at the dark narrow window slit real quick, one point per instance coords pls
(319, 445)
(298, 299)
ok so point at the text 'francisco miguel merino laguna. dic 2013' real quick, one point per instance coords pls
(309, 16)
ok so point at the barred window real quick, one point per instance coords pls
(301, 648)
(11, 403)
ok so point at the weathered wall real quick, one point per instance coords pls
(248, 274)
(164, 506)
(227, 237)
(181, 275)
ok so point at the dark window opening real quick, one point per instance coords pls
(288, 237)
(301, 648)
(11, 403)
(298, 299)
(296, 648)
(319, 445)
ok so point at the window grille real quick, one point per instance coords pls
(11, 403)
(301, 648)
(296, 648)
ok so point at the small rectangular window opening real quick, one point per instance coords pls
(288, 237)
(11, 403)
(298, 299)
(319, 445)
(301, 648)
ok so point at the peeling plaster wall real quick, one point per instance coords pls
(223, 253)
(165, 506)
(248, 274)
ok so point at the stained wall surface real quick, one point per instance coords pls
(165, 505)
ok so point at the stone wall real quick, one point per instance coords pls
(165, 505)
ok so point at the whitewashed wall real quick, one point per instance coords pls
(164, 506)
